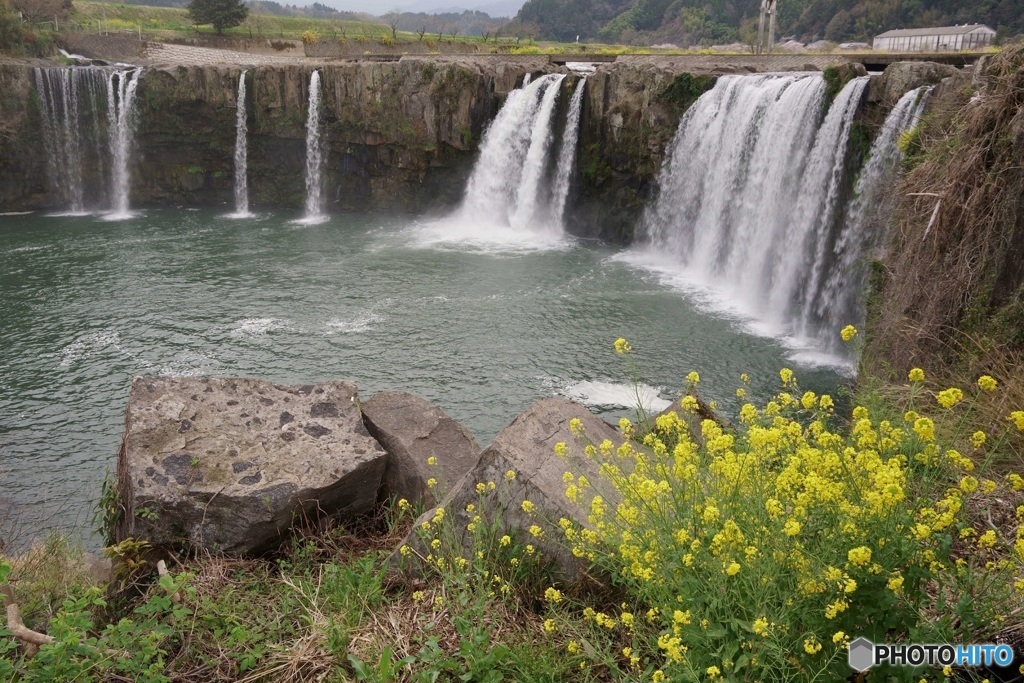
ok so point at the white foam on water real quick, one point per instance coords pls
(257, 327)
(606, 394)
(89, 345)
(453, 234)
(310, 220)
(354, 325)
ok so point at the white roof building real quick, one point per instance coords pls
(940, 39)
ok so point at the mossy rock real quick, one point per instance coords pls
(685, 89)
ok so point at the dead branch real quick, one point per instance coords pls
(16, 626)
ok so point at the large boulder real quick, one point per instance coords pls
(412, 430)
(526, 449)
(229, 465)
(902, 77)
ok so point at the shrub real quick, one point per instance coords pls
(310, 37)
(757, 553)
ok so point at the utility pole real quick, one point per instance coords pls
(768, 8)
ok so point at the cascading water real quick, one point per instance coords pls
(749, 195)
(314, 154)
(69, 108)
(241, 154)
(844, 288)
(567, 155)
(506, 189)
(121, 87)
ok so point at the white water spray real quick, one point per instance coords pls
(748, 204)
(241, 154)
(121, 87)
(567, 155)
(314, 154)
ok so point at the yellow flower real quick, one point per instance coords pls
(505, 540)
(848, 333)
(622, 346)
(714, 671)
(528, 507)
(761, 627)
(968, 484)
(895, 584)
(561, 449)
(987, 383)
(536, 531)
(791, 527)
(553, 595)
(978, 439)
(403, 504)
(510, 475)
(733, 569)
(859, 556)
(745, 378)
(916, 375)
(658, 676)
(1018, 419)
(808, 400)
(948, 398)
(692, 378)
(826, 402)
(431, 460)
(987, 539)
(1016, 481)
(549, 625)
(787, 376)
(741, 393)
(404, 551)
(573, 647)
(417, 596)
(431, 483)
(812, 646)
(838, 637)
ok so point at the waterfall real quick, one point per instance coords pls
(69, 109)
(567, 155)
(506, 188)
(314, 154)
(241, 153)
(844, 289)
(121, 87)
(750, 194)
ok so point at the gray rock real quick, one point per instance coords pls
(412, 430)
(527, 449)
(902, 77)
(229, 465)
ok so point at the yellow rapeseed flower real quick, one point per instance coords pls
(549, 626)
(859, 556)
(431, 460)
(948, 398)
(760, 626)
(812, 646)
(528, 507)
(848, 333)
(787, 376)
(431, 483)
(987, 383)
(714, 672)
(553, 595)
(1018, 419)
(978, 439)
(916, 375)
(733, 569)
(622, 346)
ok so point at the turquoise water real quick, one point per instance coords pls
(481, 324)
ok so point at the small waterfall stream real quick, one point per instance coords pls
(314, 154)
(241, 154)
(567, 155)
(121, 88)
(69, 101)
(751, 193)
(844, 289)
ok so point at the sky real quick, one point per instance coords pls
(506, 7)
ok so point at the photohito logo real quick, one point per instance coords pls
(864, 654)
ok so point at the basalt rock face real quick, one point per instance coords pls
(23, 156)
(228, 465)
(400, 135)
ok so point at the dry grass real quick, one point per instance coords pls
(951, 285)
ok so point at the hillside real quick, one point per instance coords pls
(694, 22)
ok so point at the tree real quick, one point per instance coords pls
(34, 11)
(221, 13)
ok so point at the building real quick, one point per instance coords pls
(943, 38)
